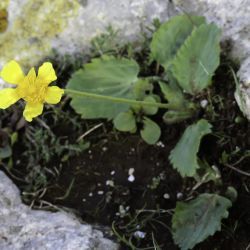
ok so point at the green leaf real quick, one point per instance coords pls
(13, 138)
(5, 152)
(125, 121)
(231, 193)
(108, 76)
(184, 155)
(170, 37)
(141, 87)
(197, 59)
(149, 110)
(239, 94)
(151, 132)
(194, 221)
(206, 173)
(175, 116)
(173, 94)
(181, 108)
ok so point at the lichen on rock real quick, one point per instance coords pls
(4, 4)
(29, 34)
(38, 26)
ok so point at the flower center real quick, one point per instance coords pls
(32, 91)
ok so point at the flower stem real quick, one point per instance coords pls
(117, 99)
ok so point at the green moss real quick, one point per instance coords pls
(29, 37)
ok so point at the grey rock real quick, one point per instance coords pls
(130, 17)
(38, 27)
(26, 229)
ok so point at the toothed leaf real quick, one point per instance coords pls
(107, 76)
(198, 58)
(170, 37)
(195, 220)
(184, 156)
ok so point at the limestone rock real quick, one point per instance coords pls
(35, 28)
(26, 229)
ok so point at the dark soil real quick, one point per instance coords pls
(149, 200)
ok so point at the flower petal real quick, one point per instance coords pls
(31, 76)
(8, 97)
(46, 73)
(54, 95)
(32, 110)
(12, 73)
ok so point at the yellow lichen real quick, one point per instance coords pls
(3, 15)
(28, 38)
(4, 4)
(3, 20)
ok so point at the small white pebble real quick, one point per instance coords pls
(110, 183)
(100, 192)
(160, 144)
(90, 194)
(179, 195)
(139, 234)
(204, 103)
(99, 184)
(162, 176)
(112, 172)
(89, 151)
(104, 149)
(132, 149)
(84, 200)
(166, 196)
(122, 210)
(131, 178)
(131, 171)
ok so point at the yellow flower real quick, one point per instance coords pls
(32, 88)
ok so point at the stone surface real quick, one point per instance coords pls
(24, 229)
(37, 27)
